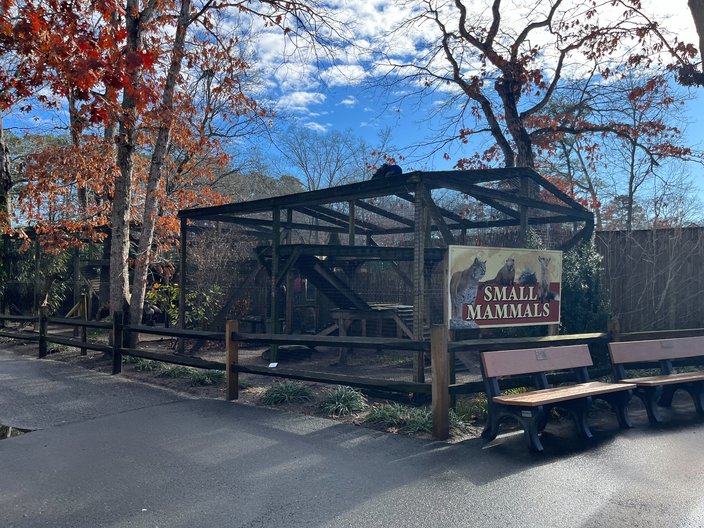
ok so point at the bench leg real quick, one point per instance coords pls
(532, 427)
(531, 430)
(650, 396)
(532, 421)
(580, 410)
(667, 394)
(619, 403)
(491, 429)
(696, 391)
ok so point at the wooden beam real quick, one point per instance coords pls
(483, 192)
(342, 193)
(232, 375)
(552, 188)
(261, 222)
(363, 224)
(384, 213)
(290, 261)
(404, 387)
(438, 218)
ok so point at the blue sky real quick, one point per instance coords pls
(327, 95)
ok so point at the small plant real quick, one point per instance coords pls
(198, 377)
(407, 420)
(176, 372)
(147, 365)
(207, 377)
(410, 420)
(457, 424)
(287, 392)
(472, 408)
(54, 348)
(343, 401)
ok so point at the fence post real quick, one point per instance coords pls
(84, 315)
(117, 341)
(42, 331)
(614, 327)
(440, 362)
(232, 359)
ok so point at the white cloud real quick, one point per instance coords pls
(298, 77)
(317, 127)
(344, 75)
(350, 101)
(298, 102)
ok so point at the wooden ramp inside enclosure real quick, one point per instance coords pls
(350, 307)
(329, 284)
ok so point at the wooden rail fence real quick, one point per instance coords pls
(443, 387)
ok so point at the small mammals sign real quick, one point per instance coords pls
(499, 287)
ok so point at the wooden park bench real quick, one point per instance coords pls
(531, 408)
(658, 390)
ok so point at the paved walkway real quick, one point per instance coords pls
(113, 453)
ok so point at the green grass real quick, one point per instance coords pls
(55, 348)
(197, 377)
(410, 420)
(343, 401)
(142, 365)
(403, 419)
(287, 392)
(472, 408)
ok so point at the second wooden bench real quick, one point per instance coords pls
(659, 389)
(531, 408)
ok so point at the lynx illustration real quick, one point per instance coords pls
(464, 285)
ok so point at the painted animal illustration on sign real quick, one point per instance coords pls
(464, 286)
(506, 276)
(544, 279)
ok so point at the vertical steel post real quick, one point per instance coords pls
(275, 242)
(351, 224)
(182, 285)
(419, 279)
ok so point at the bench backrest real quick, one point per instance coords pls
(532, 360)
(656, 350)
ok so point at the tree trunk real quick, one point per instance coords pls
(76, 132)
(697, 9)
(159, 154)
(127, 139)
(5, 183)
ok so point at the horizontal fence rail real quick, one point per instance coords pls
(233, 338)
(20, 333)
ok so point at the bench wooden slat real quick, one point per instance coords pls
(559, 394)
(663, 349)
(532, 360)
(666, 379)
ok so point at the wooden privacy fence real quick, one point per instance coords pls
(654, 277)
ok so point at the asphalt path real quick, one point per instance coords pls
(108, 452)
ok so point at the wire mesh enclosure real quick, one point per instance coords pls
(365, 259)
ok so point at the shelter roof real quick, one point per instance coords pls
(511, 195)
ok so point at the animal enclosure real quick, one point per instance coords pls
(314, 250)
